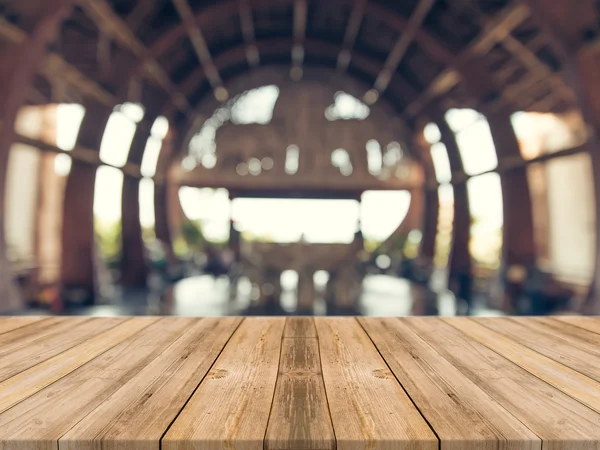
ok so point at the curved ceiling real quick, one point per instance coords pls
(172, 54)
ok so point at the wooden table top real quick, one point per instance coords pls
(230, 383)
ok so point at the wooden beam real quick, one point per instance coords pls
(536, 66)
(300, 15)
(252, 54)
(280, 46)
(356, 18)
(402, 44)
(497, 29)
(111, 24)
(199, 43)
(55, 67)
(79, 153)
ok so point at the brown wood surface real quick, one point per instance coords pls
(299, 383)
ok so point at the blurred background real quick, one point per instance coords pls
(372, 157)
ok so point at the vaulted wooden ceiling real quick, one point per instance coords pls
(172, 54)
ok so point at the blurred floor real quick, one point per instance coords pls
(205, 295)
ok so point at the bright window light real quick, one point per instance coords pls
(460, 119)
(292, 159)
(474, 140)
(150, 158)
(255, 106)
(117, 138)
(160, 127)
(68, 122)
(108, 192)
(133, 111)
(290, 220)
(432, 133)
(146, 200)
(382, 212)
(441, 163)
(62, 165)
(345, 107)
(374, 157)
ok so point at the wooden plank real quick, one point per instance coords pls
(37, 332)
(582, 339)
(300, 327)
(34, 379)
(369, 409)
(139, 413)
(22, 358)
(580, 357)
(231, 407)
(40, 420)
(300, 414)
(12, 323)
(568, 380)
(587, 323)
(549, 413)
(463, 416)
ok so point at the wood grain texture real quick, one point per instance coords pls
(231, 407)
(369, 409)
(137, 415)
(587, 323)
(300, 413)
(552, 415)
(569, 381)
(12, 323)
(37, 332)
(300, 327)
(300, 383)
(14, 360)
(579, 355)
(40, 420)
(463, 416)
(34, 379)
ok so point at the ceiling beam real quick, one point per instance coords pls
(356, 18)
(402, 44)
(540, 70)
(496, 30)
(252, 54)
(317, 47)
(79, 153)
(112, 25)
(300, 16)
(55, 68)
(201, 48)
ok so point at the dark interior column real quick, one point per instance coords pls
(134, 266)
(460, 258)
(430, 223)
(78, 243)
(518, 239)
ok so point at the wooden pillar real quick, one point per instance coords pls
(306, 291)
(163, 195)
(17, 67)
(78, 242)
(518, 238)
(573, 36)
(430, 198)
(134, 267)
(460, 257)
(430, 223)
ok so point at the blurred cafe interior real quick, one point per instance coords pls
(240, 157)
